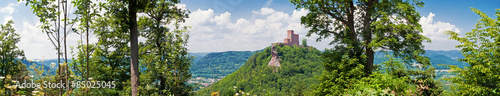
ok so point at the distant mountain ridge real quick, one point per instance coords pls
(45, 63)
(198, 56)
(436, 57)
(219, 64)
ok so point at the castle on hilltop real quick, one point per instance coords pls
(291, 40)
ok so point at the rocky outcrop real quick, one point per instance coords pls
(274, 62)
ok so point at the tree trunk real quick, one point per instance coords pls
(134, 70)
(368, 37)
(59, 46)
(65, 47)
(160, 48)
(351, 28)
(369, 62)
(162, 86)
(87, 39)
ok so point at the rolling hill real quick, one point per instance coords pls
(219, 64)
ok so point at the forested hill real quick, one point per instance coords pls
(299, 65)
(219, 63)
(435, 57)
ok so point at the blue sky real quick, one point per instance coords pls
(247, 25)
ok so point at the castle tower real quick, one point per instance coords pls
(292, 38)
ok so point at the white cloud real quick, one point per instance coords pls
(9, 9)
(266, 11)
(214, 32)
(435, 30)
(200, 17)
(38, 46)
(35, 43)
(222, 18)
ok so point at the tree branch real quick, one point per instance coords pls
(51, 40)
(337, 16)
(336, 34)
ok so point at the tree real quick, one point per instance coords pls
(358, 28)
(128, 15)
(134, 47)
(164, 53)
(49, 11)
(108, 58)
(11, 66)
(304, 42)
(86, 13)
(480, 48)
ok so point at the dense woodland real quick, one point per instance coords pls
(377, 50)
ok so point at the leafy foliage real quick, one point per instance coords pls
(304, 42)
(480, 48)
(110, 60)
(164, 54)
(110, 56)
(11, 68)
(298, 67)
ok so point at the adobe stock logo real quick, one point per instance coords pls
(46, 84)
(61, 84)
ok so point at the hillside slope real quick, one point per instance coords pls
(219, 63)
(299, 65)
